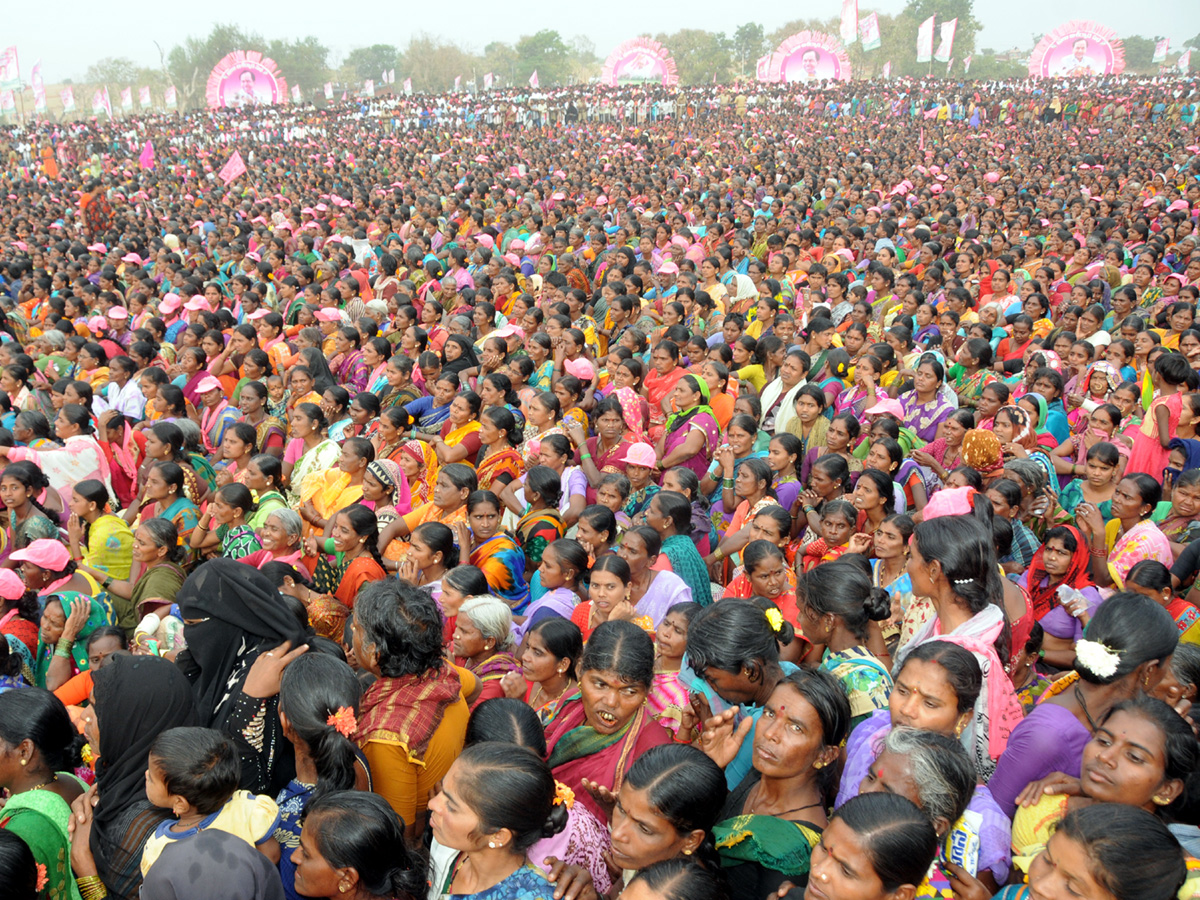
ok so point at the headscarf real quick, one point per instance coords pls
(242, 616)
(678, 419)
(391, 476)
(1043, 411)
(631, 412)
(1111, 376)
(1191, 452)
(981, 451)
(466, 359)
(1023, 434)
(98, 616)
(422, 490)
(139, 697)
(1078, 575)
(214, 864)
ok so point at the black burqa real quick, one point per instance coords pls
(137, 698)
(242, 615)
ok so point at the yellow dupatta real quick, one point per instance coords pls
(456, 436)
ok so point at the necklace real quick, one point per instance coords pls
(45, 784)
(1084, 707)
(549, 700)
(758, 790)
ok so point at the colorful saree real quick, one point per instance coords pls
(537, 529)
(40, 819)
(502, 562)
(495, 465)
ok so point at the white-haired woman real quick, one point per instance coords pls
(280, 536)
(483, 643)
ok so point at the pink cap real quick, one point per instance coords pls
(170, 303)
(132, 258)
(509, 330)
(97, 323)
(196, 304)
(97, 248)
(118, 312)
(11, 586)
(887, 408)
(208, 383)
(486, 240)
(668, 268)
(950, 502)
(641, 455)
(259, 314)
(512, 259)
(45, 553)
(580, 368)
(327, 315)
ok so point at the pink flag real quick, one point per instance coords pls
(233, 168)
(887, 69)
(10, 71)
(8, 102)
(849, 28)
(127, 99)
(762, 68)
(169, 98)
(369, 87)
(391, 76)
(868, 32)
(107, 102)
(925, 41)
(488, 79)
(457, 82)
(408, 86)
(1161, 49)
(146, 157)
(297, 95)
(966, 65)
(1185, 61)
(931, 114)
(946, 44)
(328, 90)
(67, 96)
(39, 88)
(144, 97)
(949, 63)
(533, 80)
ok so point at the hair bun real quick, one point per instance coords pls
(878, 604)
(556, 821)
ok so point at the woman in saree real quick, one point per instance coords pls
(21, 483)
(600, 731)
(97, 538)
(420, 466)
(690, 435)
(309, 450)
(973, 371)
(670, 514)
(925, 407)
(865, 393)
(545, 419)
(660, 383)
(431, 413)
(385, 490)
(458, 440)
(81, 457)
(499, 462)
(603, 454)
(270, 435)
(323, 493)
(35, 726)
(1013, 426)
(483, 644)
(810, 424)
(492, 551)
(348, 365)
(542, 523)
(157, 572)
(68, 621)
(165, 499)
(455, 483)
(216, 415)
(1130, 537)
(340, 566)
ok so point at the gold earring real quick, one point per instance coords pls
(24, 762)
(1160, 801)
(818, 765)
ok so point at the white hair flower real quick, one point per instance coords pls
(1098, 659)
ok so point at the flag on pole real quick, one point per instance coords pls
(144, 100)
(127, 99)
(391, 76)
(949, 63)
(98, 101)
(457, 82)
(369, 88)
(328, 90)
(8, 102)
(849, 29)
(887, 69)
(533, 80)
(39, 88)
(146, 157)
(232, 169)
(1185, 61)
(170, 101)
(107, 102)
(763, 67)
(408, 86)
(925, 41)
(921, 142)
(383, 77)
(1160, 50)
(297, 96)
(946, 45)
(488, 80)
(10, 71)
(868, 32)
(966, 65)
(67, 96)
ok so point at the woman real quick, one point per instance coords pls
(549, 676)
(607, 592)
(660, 383)
(488, 832)
(925, 406)
(1130, 536)
(943, 455)
(165, 443)
(430, 413)
(156, 571)
(353, 844)
(774, 817)
(323, 493)
(309, 452)
(270, 434)
(1061, 562)
(842, 432)
(81, 457)
(953, 562)
(544, 420)
(837, 604)
(21, 483)
(599, 732)
(499, 461)
(752, 492)
(347, 364)
(605, 453)
(1128, 646)
(216, 415)
(38, 738)
(340, 567)
(651, 591)
(670, 514)
(1097, 486)
(414, 716)
(688, 436)
(483, 644)
(482, 544)
(455, 483)
(164, 498)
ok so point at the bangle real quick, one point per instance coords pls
(718, 554)
(107, 582)
(810, 509)
(728, 482)
(91, 887)
(1098, 551)
(584, 455)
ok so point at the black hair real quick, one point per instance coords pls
(883, 486)
(683, 878)
(478, 497)
(271, 468)
(963, 671)
(843, 589)
(825, 694)
(836, 468)
(1133, 855)
(685, 787)
(237, 496)
(601, 519)
(1136, 628)
(506, 423)
(18, 869)
(623, 648)
(897, 836)
(461, 476)
(33, 479)
(467, 580)
(562, 639)
(314, 688)
(404, 624)
(519, 793)
(731, 635)
(199, 764)
(164, 533)
(1103, 451)
(358, 830)
(1149, 490)
(1147, 573)
(508, 720)
(677, 508)
(439, 539)
(38, 716)
(546, 483)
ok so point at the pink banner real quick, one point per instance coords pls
(8, 102)
(1078, 50)
(146, 157)
(925, 41)
(127, 99)
(144, 97)
(533, 80)
(1161, 49)
(233, 168)
(868, 32)
(169, 97)
(67, 96)
(10, 70)
(488, 80)
(849, 27)
(328, 90)
(39, 88)
(639, 61)
(946, 45)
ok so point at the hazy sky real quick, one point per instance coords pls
(77, 33)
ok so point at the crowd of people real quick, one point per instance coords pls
(753, 495)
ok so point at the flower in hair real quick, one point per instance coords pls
(344, 721)
(42, 878)
(1102, 661)
(775, 618)
(563, 795)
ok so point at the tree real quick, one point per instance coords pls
(433, 63)
(585, 64)
(544, 53)
(748, 44)
(111, 70)
(699, 55)
(501, 60)
(189, 63)
(901, 41)
(369, 62)
(1139, 53)
(302, 62)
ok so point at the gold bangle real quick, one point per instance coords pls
(91, 887)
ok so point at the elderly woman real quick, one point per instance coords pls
(281, 537)
(157, 567)
(483, 644)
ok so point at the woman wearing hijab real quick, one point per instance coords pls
(458, 354)
(136, 699)
(233, 614)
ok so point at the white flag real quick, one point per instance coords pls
(369, 88)
(457, 82)
(391, 76)
(39, 88)
(849, 29)
(887, 69)
(487, 81)
(533, 80)
(1161, 49)
(1185, 61)
(408, 86)
(328, 90)
(925, 41)
(946, 46)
